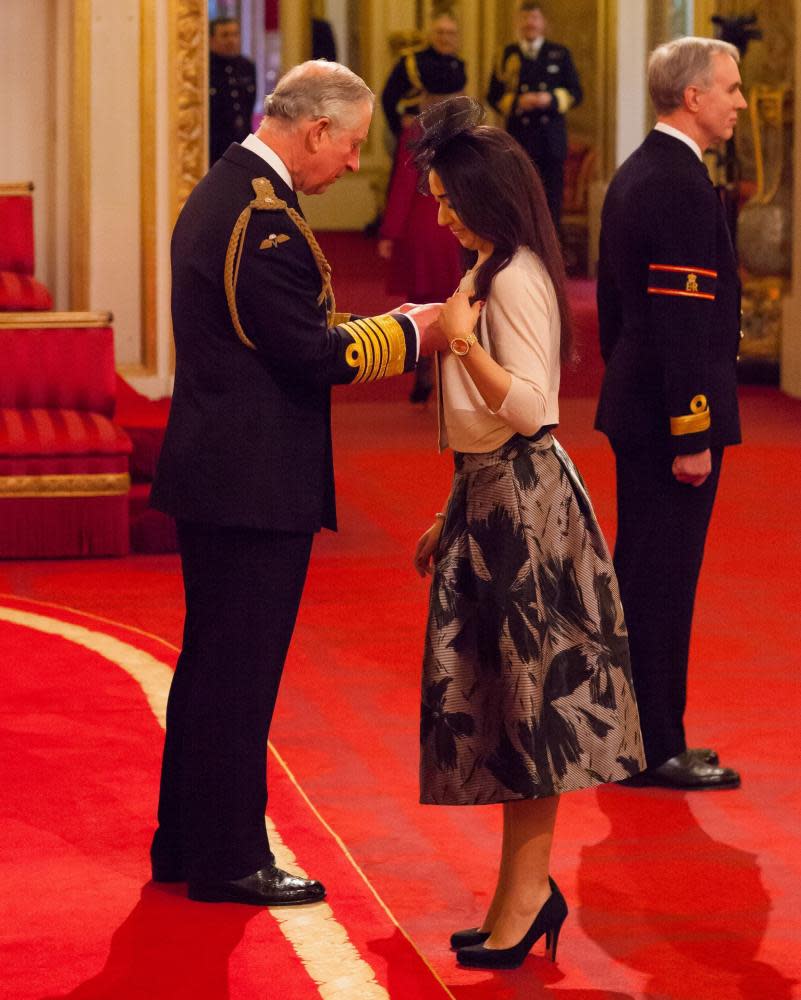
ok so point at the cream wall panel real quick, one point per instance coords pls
(28, 114)
(114, 228)
(632, 100)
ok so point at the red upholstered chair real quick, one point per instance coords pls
(19, 290)
(579, 172)
(64, 477)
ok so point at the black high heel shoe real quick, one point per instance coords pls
(548, 922)
(463, 939)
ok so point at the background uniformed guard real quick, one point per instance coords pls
(232, 87)
(533, 86)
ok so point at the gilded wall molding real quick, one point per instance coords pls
(80, 161)
(188, 71)
(147, 181)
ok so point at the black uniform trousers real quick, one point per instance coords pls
(551, 169)
(662, 527)
(242, 590)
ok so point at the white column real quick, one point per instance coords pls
(115, 198)
(632, 97)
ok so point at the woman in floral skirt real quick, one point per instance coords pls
(527, 691)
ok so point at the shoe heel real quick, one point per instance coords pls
(552, 939)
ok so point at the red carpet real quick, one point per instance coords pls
(673, 897)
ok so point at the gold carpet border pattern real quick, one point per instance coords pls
(320, 942)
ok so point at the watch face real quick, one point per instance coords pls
(460, 346)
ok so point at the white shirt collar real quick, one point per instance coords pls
(681, 136)
(532, 49)
(260, 148)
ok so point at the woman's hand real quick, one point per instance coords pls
(458, 317)
(425, 553)
(385, 249)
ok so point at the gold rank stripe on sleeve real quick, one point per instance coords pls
(682, 280)
(378, 349)
(697, 420)
(564, 100)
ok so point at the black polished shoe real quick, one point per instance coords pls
(548, 922)
(269, 886)
(466, 938)
(167, 871)
(686, 772)
(704, 754)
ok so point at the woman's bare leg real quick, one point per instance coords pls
(503, 873)
(523, 884)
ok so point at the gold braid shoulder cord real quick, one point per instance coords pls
(266, 200)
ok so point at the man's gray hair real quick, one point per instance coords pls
(676, 65)
(318, 89)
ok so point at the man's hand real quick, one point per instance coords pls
(534, 99)
(693, 469)
(432, 338)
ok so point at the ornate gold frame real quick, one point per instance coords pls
(188, 98)
(147, 181)
(80, 161)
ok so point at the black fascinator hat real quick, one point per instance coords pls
(440, 125)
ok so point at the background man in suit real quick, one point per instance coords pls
(232, 87)
(533, 86)
(246, 466)
(669, 310)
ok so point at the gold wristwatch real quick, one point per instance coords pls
(461, 345)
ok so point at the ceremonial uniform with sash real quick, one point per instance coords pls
(246, 468)
(419, 75)
(542, 132)
(669, 312)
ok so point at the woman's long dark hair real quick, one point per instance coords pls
(496, 192)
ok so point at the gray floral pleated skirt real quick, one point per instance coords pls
(527, 688)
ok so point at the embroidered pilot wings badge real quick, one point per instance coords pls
(273, 241)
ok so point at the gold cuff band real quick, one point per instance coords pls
(696, 421)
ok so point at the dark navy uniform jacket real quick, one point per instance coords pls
(419, 72)
(541, 131)
(232, 93)
(668, 305)
(248, 441)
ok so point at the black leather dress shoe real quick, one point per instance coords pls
(170, 871)
(685, 771)
(704, 754)
(269, 886)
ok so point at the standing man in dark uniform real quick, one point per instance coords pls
(247, 468)
(425, 259)
(423, 75)
(533, 86)
(669, 311)
(232, 87)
